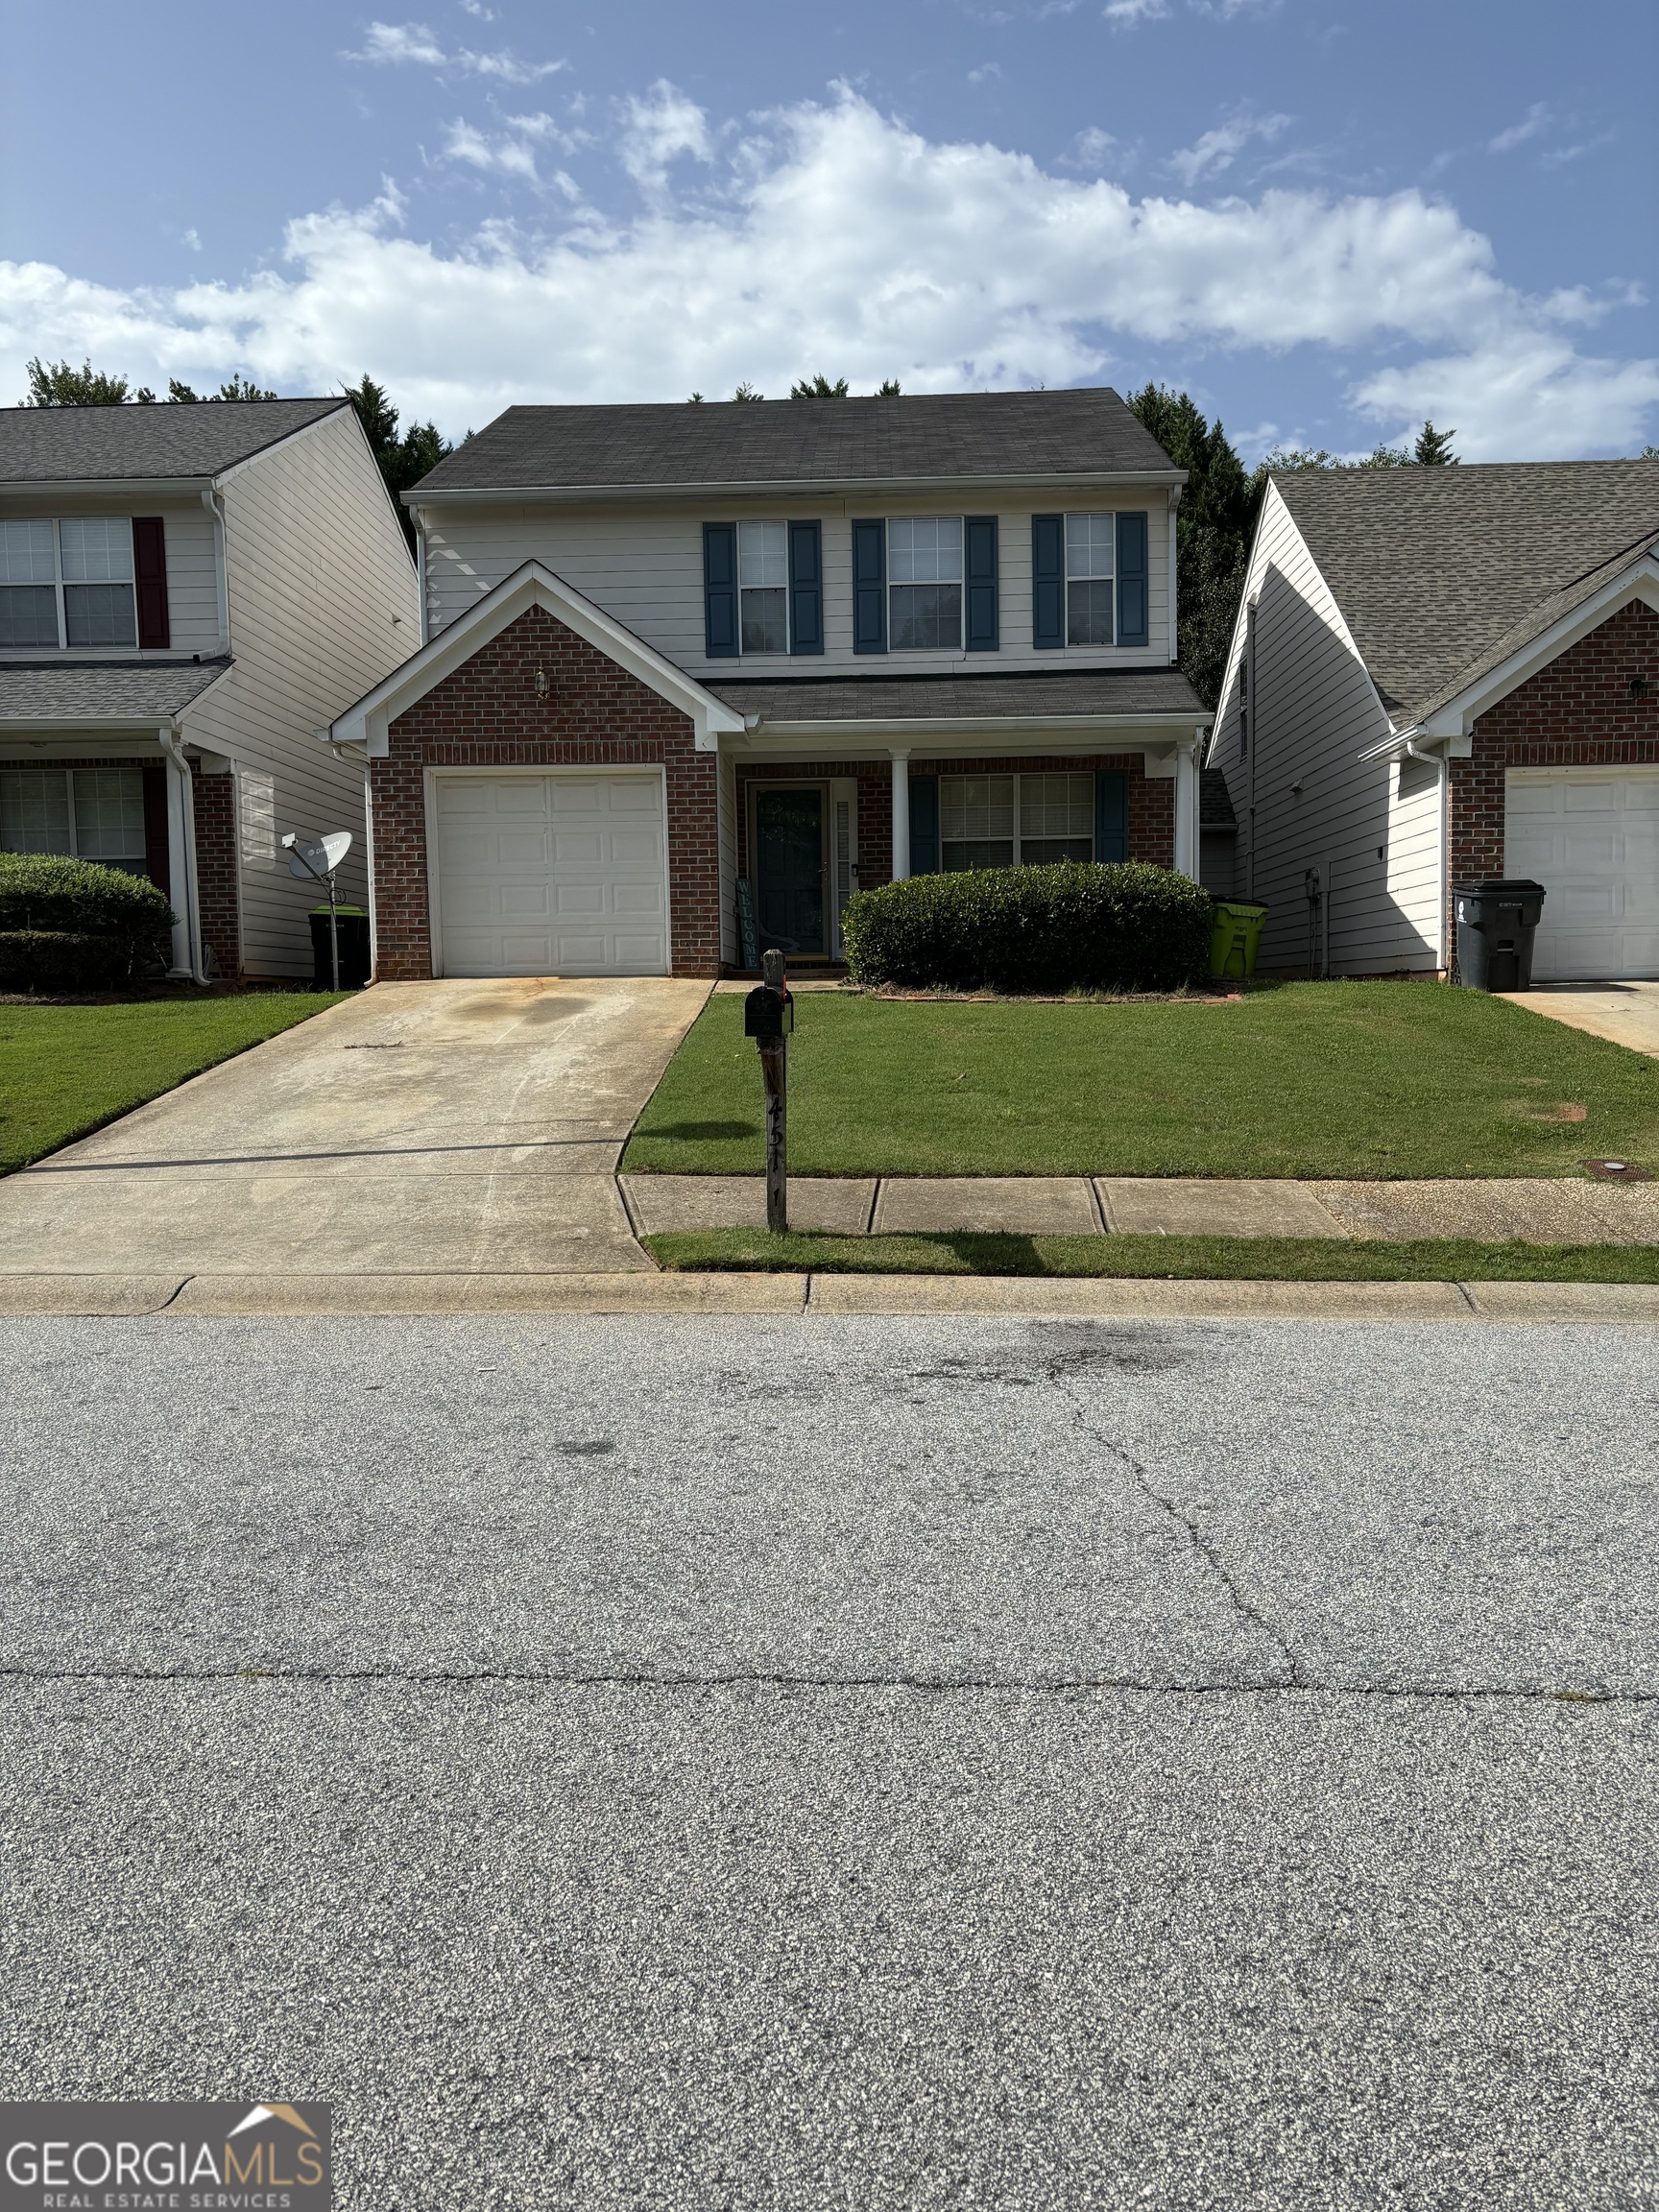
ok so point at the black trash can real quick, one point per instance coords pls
(353, 927)
(1497, 920)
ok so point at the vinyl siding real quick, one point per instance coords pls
(317, 568)
(1377, 838)
(643, 564)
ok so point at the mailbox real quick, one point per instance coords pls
(764, 1012)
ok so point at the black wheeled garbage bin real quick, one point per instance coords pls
(1497, 919)
(353, 927)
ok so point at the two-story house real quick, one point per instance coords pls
(187, 595)
(684, 667)
(1440, 674)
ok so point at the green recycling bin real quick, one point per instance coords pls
(1233, 940)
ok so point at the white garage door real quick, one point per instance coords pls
(1591, 838)
(561, 875)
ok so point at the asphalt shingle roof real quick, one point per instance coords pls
(1215, 800)
(964, 434)
(1440, 573)
(73, 690)
(1082, 692)
(69, 444)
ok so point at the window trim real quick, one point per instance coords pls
(60, 584)
(753, 522)
(1108, 516)
(1015, 777)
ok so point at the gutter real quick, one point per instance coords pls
(428, 494)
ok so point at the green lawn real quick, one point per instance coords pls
(1208, 1259)
(65, 1070)
(1300, 1079)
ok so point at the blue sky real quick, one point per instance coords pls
(1325, 220)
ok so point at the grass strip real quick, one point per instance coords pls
(66, 1070)
(1169, 1259)
(1311, 1080)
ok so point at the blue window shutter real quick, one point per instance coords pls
(869, 587)
(1111, 815)
(805, 587)
(980, 532)
(720, 591)
(1132, 602)
(1047, 579)
(923, 824)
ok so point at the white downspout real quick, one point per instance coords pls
(1174, 623)
(368, 859)
(901, 814)
(187, 961)
(1443, 773)
(420, 521)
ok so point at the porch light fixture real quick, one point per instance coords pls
(542, 687)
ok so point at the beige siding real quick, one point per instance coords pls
(316, 568)
(1304, 799)
(643, 563)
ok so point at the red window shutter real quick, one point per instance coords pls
(150, 567)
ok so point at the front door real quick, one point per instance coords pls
(790, 868)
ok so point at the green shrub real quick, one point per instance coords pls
(62, 960)
(1073, 926)
(105, 923)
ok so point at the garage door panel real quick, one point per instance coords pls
(552, 875)
(1591, 838)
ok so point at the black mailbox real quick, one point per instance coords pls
(764, 1012)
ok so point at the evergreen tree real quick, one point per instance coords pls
(1214, 526)
(1433, 448)
(239, 387)
(819, 388)
(747, 391)
(402, 459)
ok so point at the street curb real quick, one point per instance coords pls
(228, 1297)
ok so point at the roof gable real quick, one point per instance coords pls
(973, 436)
(1442, 573)
(146, 442)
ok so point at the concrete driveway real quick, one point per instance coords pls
(1623, 1013)
(420, 1128)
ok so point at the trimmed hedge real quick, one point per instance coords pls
(71, 926)
(1073, 926)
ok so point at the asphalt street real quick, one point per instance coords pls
(867, 1763)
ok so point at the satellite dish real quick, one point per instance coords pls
(316, 858)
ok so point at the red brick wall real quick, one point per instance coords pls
(1151, 800)
(487, 715)
(1576, 712)
(218, 874)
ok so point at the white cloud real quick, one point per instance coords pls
(1128, 11)
(1090, 148)
(1217, 149)
(395, 43)
(832, 234)
(192, 239)
(510, 151)
(1531, 125)
(985, 72)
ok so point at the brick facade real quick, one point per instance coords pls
(218, 872)
(1577, 713)
(489, 714)
(1151, 799)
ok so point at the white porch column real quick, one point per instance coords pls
(181, 864)
(1186, 759)
(900, 813)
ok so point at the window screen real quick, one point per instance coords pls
(924, 583)
(1056, 818)
(89, 813)
(28, 584)
(1089, 570)
(976, 822)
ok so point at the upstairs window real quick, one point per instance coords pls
(924, 583)
(1089, 578)
(67, 583)
(763, 585)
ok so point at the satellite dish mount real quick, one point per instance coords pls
(315, 860)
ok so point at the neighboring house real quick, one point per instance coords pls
(808, 645)
(187, 593)
(1449, 673)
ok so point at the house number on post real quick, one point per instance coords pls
(763, 1013)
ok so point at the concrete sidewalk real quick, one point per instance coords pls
(1531, 1209)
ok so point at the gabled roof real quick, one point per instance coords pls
(529, 586)
(81, 445)
(1442, 573)
(1083, 694)
(973, 436)
(103, 691)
